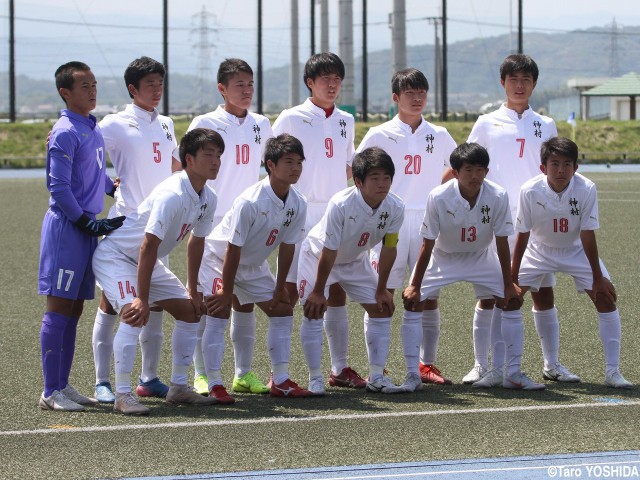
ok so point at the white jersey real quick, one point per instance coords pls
(140, 145)
(420, 157)
(514, 146)
(244, 141)
(556, 219)
(258, 222)
(352, 227)
(456, 227)
(328, 148)
(170, 212)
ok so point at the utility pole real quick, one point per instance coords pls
(345, 34)
(365, 68)
(324, 25)
(444, 61)
(398, 36)
(520, 46)
(260, 78)
(436, 21)
(12, 64)
(294, 71)
(313, 25)
(165, 56)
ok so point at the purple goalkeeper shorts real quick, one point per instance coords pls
(65, 259)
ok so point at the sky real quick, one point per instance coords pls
(108, 34)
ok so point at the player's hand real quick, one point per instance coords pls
(314, 306)
(384, 298)
(219, 304)
(97, 228)
(603, 286)
(280, 296)
(199, 307)
(411, 297)
(137, 315)
(512, 297)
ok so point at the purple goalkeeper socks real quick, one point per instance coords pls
(51, 340)
(68, 350)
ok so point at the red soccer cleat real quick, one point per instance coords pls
(220, 393)
(290, 389)
(348, 378)
(431, 374)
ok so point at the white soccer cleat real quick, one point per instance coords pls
(521, 382)
(616, 380)
(476, 373)
(316, 386)
(75, 396)
(412, 382)
(384, 385)
(560, 373)
(128, 404)
(491, 379)
(58, 401)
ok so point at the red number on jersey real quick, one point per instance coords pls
(363, 239)
(242, 154)
(375, 266)
(560, 225)
(272, 237)
(303, 285)
(127, 288)
(468, 234)
(414, 164)
(521, 141)
(328, 145)
(157, 154)
(217, 285)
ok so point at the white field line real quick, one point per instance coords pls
(319, 418)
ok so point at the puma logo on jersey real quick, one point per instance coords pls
(134, 125)
(265, 213)
(222, 129)
(395, 140)
(353, 218)
(543, 205)
(309, 122)
(328, 235)
(498, 125)
(425, 226)
(593, 218)
(453, 214)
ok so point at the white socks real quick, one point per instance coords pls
(125, 344)
(497, 343)
(377, 333)
(548, 328)
(243, 337)
(183, 342)
(151, 338)
(311, 340)
(198, 361)
(411, 331)
(102, 340)
(513, 334)
(279, 346)
(610, 335)
(213, 345)
(430, 336)
(482, 335)
(336, 326)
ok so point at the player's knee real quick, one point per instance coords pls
(604, 304)
(486, 304)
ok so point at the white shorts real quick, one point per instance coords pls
(358, 279)
(314, 215)
(408, 249)
(480, 269)
(540, 260)
(117, 276)
(252, 285)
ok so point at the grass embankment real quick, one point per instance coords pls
(23, 145)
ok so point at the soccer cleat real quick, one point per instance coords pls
(185, 395)
(75, 396)
(521, 382)
(128, 404)
(58, 401)
(249, 382)
(493, 378)
(316, 386)
(152, 388)
(560, 373)
(476, 373)
(412, 382)
(201, 384)
(616, 380)
(104, 393)
(384, 385)
(220, 394)
(347, 378)
(289, 389)
(431, 374)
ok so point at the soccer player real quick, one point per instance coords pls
(130, 273)
(512, 135)
(235, 272)
(462, 218)
(77, 181)
(140, 144)
(420, 153)
(336, 252)
(556, 223)
(245, 134)
(327, 134)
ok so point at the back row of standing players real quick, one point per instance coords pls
(420, 152)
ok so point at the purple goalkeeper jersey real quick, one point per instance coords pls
(76, 166)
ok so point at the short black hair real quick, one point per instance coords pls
(409, 78)
(140, 68)
(197, 139)
(229, 67)
(519, 63)
(370, 158)
(64, 75)
(469, 153)
(277, 147)
(560, 146)
(325, 63)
